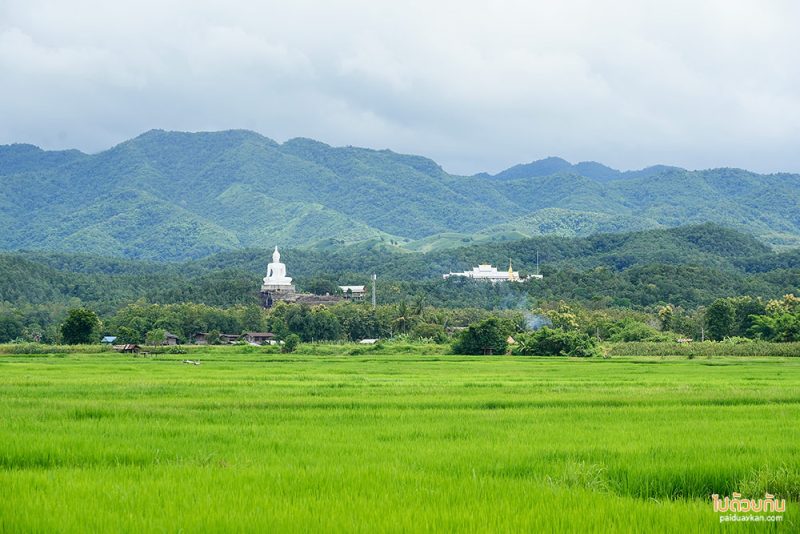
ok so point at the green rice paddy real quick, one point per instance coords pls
(265, 442)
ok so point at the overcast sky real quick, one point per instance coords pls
(477, 86)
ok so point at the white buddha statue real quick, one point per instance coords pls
(276, 272)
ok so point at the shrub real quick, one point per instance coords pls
(433, 332)
(487, 336)
(556, 342)
(290, 343)
(636, 331)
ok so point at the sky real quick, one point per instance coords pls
(476, 86)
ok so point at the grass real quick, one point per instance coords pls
(709, 349)
(298, 443)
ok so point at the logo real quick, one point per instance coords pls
(737, 509)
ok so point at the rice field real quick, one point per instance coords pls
(267, 442)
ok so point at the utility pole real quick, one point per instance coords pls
(374, 277)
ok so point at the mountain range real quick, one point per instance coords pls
(177, 196)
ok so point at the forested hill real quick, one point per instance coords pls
(686, 266)
(178, 196)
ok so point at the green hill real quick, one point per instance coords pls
(177, 196)
(686, 266)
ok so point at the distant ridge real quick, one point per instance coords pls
(177, 195)
(687, 266)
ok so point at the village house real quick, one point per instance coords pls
(354, 293)
(201, 338)
(259, 338)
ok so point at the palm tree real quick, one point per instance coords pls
(403, 317)
(418, 306)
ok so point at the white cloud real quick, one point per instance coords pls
(474, 85)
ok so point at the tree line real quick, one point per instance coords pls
(743, 317)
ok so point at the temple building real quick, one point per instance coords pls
(491, 274)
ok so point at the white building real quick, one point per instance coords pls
(491, 274)
(353, 292)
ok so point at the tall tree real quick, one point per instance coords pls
(10, 327)
(80, 326)
(157, 336)
(720, 317)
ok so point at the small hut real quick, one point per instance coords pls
(129, 348)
